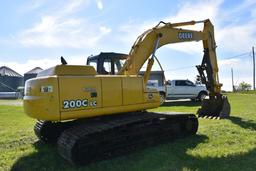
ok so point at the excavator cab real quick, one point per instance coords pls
(107, 63)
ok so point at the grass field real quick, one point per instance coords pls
(219, 144)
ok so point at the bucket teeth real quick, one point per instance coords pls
(216, 118)
(218, 108)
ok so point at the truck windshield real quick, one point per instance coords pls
(189, 83)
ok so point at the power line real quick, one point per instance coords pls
(242, 55)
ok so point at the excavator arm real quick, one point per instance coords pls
(159, 35)
(167, 33)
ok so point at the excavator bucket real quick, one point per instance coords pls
(215, 108)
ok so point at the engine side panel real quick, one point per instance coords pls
(112, 94)
(132, 90)
(64, 97)
(79, 93)
(83, 97)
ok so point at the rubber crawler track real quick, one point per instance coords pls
(97, 139)
(48, 132)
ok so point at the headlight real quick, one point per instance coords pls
(46, 89)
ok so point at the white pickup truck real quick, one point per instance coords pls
(180, 89)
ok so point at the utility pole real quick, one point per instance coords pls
(253, 58)
(232, 76)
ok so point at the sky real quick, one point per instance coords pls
(37, 32)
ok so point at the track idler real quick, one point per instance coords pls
(215, 107)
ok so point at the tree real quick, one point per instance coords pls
(243, 86)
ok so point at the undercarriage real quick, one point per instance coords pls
(88, 140)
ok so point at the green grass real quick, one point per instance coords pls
(219, 144)
(248, 92)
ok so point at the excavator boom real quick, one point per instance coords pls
(167, 33)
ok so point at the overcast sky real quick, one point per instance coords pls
(37, 32)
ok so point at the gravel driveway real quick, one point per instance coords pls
(11, 102)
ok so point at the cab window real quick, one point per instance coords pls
(180, 83)
(118, 64)
(107, 66)
(189, 83)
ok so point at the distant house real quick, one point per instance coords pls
(155, 77)
(10, 80)
(32, 73)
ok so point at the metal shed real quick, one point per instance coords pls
(10, 80)
(32, 73)
(157, 76)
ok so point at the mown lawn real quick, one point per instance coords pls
(219, 144)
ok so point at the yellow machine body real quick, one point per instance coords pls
(70, 92)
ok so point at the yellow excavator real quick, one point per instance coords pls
(93, 116)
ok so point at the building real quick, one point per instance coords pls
(32, 73)
(157, 77)
(10, 80)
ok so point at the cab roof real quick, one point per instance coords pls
(108, 55)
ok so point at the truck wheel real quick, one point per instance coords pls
(162, 98)
(201, 96)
